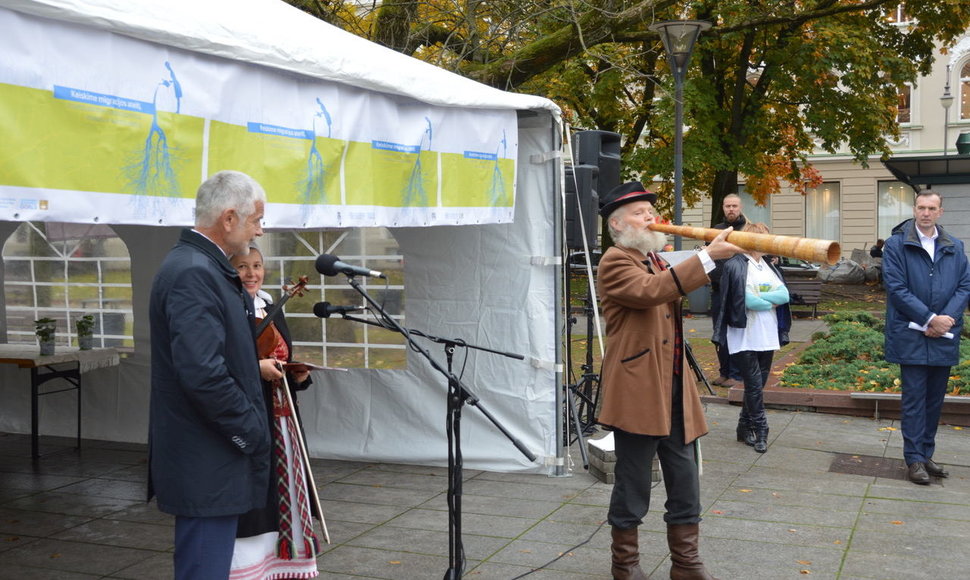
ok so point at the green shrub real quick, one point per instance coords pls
(849, 357)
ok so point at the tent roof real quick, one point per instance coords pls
(274, 34)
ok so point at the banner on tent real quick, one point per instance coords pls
(102, 128)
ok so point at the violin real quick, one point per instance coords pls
(267, 335)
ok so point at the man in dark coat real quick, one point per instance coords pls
(728, 375)
(927, 285)
(209, 441)
(646, 400)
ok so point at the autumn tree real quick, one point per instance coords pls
(770, 82)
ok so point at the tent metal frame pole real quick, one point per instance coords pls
(561, 314)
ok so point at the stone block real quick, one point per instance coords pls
(602, 463)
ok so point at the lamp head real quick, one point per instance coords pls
(679, 37)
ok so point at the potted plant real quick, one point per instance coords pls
(45, 329)
(85, 331)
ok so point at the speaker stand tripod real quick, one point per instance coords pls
(581, 396)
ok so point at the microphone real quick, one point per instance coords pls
(330, 265)
(326, 310)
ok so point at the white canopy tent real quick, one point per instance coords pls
(491, 277)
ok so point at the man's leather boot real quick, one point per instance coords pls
(685, 562)
(626, 555)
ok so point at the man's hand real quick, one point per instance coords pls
(720, 248)
(939, 325)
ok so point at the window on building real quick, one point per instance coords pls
(895, 200)
(903, 107)
(64, 271)
(898, 14)
(754, 212)
(822, 211)
(965, 91)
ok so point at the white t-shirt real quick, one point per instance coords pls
(761, 333)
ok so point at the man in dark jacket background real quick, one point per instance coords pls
(209, 441)
(728, 376)
(927, 286)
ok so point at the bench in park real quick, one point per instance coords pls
(805, 292)
(876, 397)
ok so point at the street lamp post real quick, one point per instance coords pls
(679, 37)
(946, 100)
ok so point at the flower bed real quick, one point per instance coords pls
(849, 357)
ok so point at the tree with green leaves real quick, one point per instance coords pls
(770, 83)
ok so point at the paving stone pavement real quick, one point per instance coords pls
(784, 514)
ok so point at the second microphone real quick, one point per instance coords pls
(326, 310)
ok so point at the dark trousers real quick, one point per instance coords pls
(922, 403)
(755, 367)
(203, 547)
(727, 367)
(631, 490)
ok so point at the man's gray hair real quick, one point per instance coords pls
(616, 214)
(227, 190)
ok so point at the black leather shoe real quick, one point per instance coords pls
(751, 438)
(935, 469)
(746, 434)
(761, 440)
(918, 474)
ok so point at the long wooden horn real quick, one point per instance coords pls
(809, 249)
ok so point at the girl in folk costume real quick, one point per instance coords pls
(278, 541)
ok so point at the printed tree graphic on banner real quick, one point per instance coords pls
(314, 185)
(414, 194)
(496, 192)
(152, 172)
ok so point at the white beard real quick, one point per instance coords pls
(644, 240)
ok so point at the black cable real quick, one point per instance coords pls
(557, 558)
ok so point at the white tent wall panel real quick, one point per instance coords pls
(475, 283)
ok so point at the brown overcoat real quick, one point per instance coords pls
(641, 306)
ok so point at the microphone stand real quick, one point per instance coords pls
(458, 395)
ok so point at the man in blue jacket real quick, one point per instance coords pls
(927, 286)
(208, 440)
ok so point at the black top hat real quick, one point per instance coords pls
(625, 193)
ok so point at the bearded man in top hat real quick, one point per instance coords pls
(646, 401)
